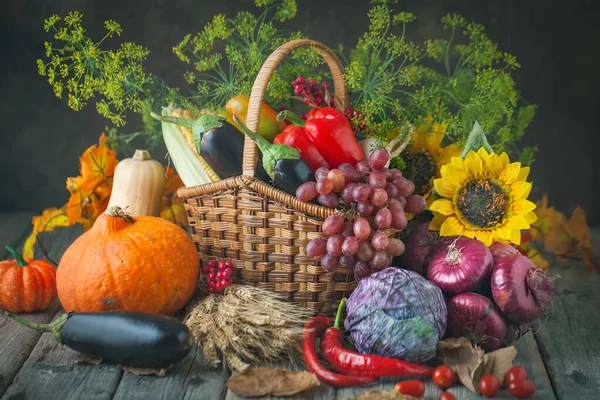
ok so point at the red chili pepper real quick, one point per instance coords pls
(331, 133)
(312, 329)
(353, 363)
(295, 136)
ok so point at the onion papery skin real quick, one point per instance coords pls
(500, 250)
(418, 245)
(478, 318)
(520, 289)
(459, 265)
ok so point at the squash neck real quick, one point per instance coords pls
(142, 155)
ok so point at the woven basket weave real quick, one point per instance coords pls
(263, 230)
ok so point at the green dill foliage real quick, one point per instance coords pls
(80, 69)
(228, 53)
(392, 81)
(380, 66)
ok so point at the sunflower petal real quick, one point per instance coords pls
(434, 140)
(517, 222)
(523, 206)
(485, 236)
(504, 160)
(444, 187)
(503, 233)
(436, 222)
(473, 164)
(446, 154)
(511, 173)
(520, 189)
(530, 217)
(516, 237)
(482, 153)
(419, 140)
(457, 162)
(455, 176)
(442, 206)
(469, 233)
(523, 174)
(452, 227)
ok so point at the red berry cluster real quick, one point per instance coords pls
(311, 91)
(219, 275)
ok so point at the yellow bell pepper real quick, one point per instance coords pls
(269, 127)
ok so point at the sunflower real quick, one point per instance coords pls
(484, 196)
(424, 156)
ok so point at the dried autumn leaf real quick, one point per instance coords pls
(50, 219)
(583, 235)
(173, 182)
(260, 382)
(173, 210)
(470, 363)
(98, 164)
(383, 395)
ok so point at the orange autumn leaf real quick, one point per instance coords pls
(173, 183)
(50, 219)
(98, 164)
(583, 235)
(173, 210)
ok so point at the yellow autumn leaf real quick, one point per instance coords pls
(98, 164)
(50, 219)
(173, 210)
(173, 183)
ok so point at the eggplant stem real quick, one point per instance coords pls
(18, 257)
(54, 327)
(340, 311)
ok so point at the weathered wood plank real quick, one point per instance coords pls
(51, 372)
(13, 228)
(528, 356)
(193, 378)
(18, 341)
(568, 341)
(321, 392)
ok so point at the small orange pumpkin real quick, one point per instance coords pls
(26, 286)
(144, 263)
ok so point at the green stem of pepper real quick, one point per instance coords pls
(20, 261)
(290, 116)
(340, 311)
(53, 327)
(271, 152)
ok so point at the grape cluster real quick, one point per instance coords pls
(372, 199)
(219, 275)
(311, 91)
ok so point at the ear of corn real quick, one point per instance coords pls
(188, 164)
(187, 135)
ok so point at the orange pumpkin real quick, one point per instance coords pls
(145, 264)
(26, 286)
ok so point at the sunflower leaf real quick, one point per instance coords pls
(476, 140)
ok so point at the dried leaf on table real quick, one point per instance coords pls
(87, 360)
(471, 363)
(260, 382)
(383, 395)
(144, 371)
(50, 219)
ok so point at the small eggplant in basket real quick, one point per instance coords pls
(219, 143)
(281, 162)
(131, 339)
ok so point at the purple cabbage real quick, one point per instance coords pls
(397, 313)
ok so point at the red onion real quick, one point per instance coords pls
(459, 265)
(521, 289)
(500, 250)
(478, 318)
(418, 243)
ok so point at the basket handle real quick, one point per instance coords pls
(250, 157)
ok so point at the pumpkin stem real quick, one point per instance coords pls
(116, 211)
(20, 261)
(142, 155)
(53, 327)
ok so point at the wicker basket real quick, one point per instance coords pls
(263, 230)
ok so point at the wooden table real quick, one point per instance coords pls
(563, 357)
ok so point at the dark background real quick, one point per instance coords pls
(557, 44)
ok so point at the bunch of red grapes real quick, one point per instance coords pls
(371, 199)
(219, 275)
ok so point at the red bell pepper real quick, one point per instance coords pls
(328, 132)
(332, 134)
(295, 136)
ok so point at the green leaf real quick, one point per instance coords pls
(476, 140)
(271, 152)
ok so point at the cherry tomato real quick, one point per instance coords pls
(443, 376)
(516, 373)
(489, 385)
(521, 389)
(412, 388)
(447, 396)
